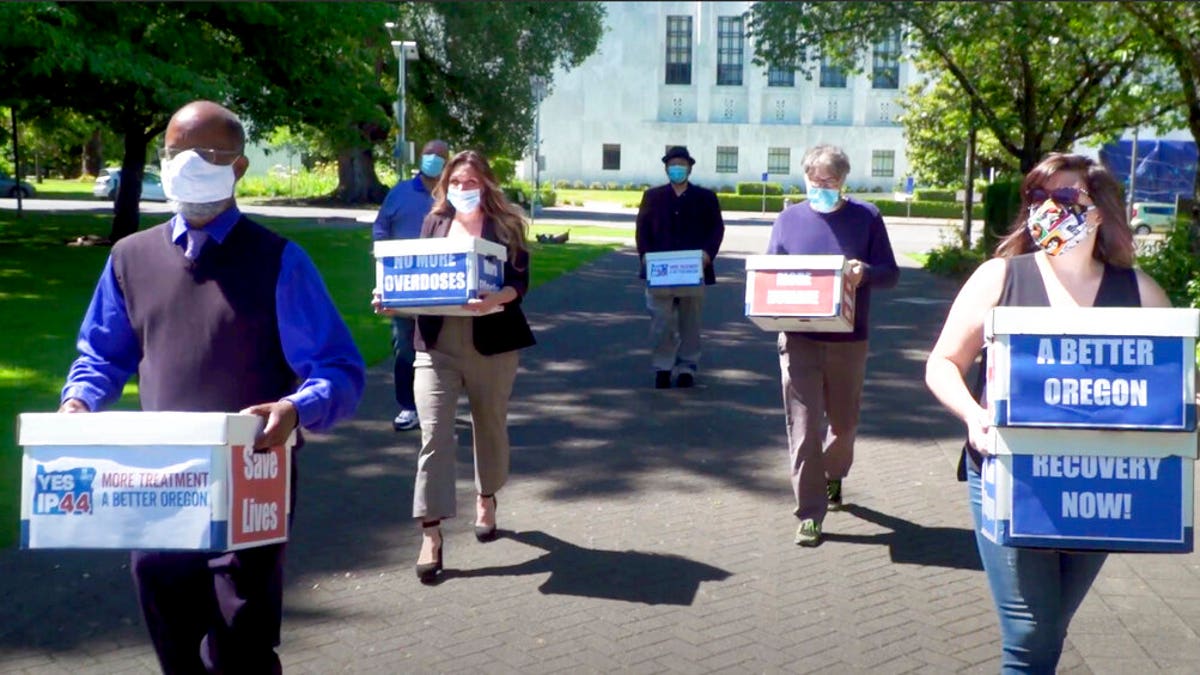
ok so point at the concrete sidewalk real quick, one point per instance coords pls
(645, 531)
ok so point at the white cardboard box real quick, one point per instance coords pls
(801, 293)
(1092, 367)
(671, 269)
(437, 276)
(151, 480)
(1090, 489)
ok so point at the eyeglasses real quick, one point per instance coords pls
(1067, 196)
(211, 155)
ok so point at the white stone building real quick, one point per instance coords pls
(681, 73)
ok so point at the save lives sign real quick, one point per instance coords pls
(182, 481)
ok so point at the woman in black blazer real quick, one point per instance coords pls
(478, 354)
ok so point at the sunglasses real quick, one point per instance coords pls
(1067, 196)
(211, 155)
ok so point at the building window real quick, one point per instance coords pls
(885, 63)
(883, 163)
(781, 77)
(779, 161)
(679, 50)
(612, 157)
(832, 76)
(730, 43)
(727, 159)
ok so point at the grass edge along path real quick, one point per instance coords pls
(45, 288)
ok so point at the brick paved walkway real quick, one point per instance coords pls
(644, 531)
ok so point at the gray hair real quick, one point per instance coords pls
(827, 156)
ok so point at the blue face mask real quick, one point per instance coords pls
(431, 165)
(823, 200)
(677, 173)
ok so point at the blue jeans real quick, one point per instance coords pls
(1036, 592)
(403, 328)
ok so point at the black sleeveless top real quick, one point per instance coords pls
(1023, 287)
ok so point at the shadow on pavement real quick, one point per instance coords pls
(629, 576)
(913, 544)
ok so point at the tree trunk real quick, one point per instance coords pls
(93, 155)
(357, 182)
(969, 184)
(126, 219)
(17, 160)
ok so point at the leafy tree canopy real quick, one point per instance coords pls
(1039, 76)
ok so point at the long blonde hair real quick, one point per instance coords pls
(511, 228)
(1114, 241)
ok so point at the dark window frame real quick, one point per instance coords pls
(731, 47)
(679, 49)
(885, 62)
(774, 164)
(832, 77)
(608, 152)
(724, 152)
(880, 157)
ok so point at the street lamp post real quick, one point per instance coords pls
(537, 85)
(405, 51)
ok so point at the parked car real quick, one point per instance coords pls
(9, 187)
(1150, 217)
(108, 181)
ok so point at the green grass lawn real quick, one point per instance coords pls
(63, 188)
(45, 288)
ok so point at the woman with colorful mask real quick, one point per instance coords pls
(476, 354)
(1070, 247)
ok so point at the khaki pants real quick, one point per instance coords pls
(675, 315)
(441, 375)
(822, 394)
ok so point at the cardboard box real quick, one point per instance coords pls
(151, 480)
(1090, 489)
(1092, 367)
(799, 293)
(437, 276)
(673, 269)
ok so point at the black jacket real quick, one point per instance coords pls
(496, 333)
(670, 222)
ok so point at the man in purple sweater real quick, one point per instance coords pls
(823, 372)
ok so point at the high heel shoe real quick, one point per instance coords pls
(428, 572)
(485, 533)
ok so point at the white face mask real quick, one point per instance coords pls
(187, 178)
(463, 201)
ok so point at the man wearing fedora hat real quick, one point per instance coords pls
(678, 216)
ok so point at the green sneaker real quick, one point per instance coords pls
(833, 489)
(808, 533)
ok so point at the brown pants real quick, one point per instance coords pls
(822, 393)
(441, 375)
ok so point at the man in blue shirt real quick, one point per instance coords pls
(400, 217)
(214, 313)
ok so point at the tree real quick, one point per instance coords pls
(935, 123)
(1040, 76)
(1174, 28)
(130, 65)
(471, 85)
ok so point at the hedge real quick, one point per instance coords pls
(749, 202)
(934, 195)
(756, 188)
(732, 202)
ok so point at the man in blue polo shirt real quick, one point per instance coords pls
(400, 217)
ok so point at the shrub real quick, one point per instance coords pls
(734, 202)
(579, 185)
(504, 168)
(596, 186)
(756, 188)
(629, 187)
(562, 184)
(794, 189)
(612, 186)
(1174, 263)
(644, 186)
(726, 189)
(932, 195)
(952, 260)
